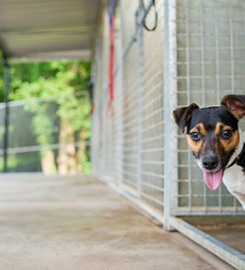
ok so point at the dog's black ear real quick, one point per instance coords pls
(235, 104)
(183, 115)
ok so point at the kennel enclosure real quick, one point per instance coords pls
(195, 54)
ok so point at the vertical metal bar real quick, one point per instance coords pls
(96, 127)
(139, 92)
(92, 143)
(120, 102)
(231, 48)
(6, 118)
(217, 78)
(170, 103)
(188, 92)
(202, 53)
(104, 101)
(232, 68)
(217, 52)
(99, 116)
(92, 117)
(203, 87)
(111, 139)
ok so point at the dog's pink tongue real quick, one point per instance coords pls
(213, 179)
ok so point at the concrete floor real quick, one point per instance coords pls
(77, 222)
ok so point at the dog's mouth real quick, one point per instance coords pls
(213, 179)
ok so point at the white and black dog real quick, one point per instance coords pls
(217, 144)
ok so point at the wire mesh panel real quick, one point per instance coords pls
(114, 130)
(105, 50)
(129, 9)
(152, 138)
(107, 138)
(130, 134)
(105, 118)
(136, 155)
(117, 38)
(210, 64)
(48, 135)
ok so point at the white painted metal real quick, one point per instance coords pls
(232, 256)
(139, 95)
(120, 98)
(170, 103)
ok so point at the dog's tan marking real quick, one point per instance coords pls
(219, 144)
(231, 143)
(196, 145)
(199, 128)
(218, 128)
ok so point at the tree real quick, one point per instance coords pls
(56, 78)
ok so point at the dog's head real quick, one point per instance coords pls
(212, 134)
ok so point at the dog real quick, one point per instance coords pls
(216, 142)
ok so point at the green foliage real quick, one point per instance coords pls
(75, 111)
(47, 79)
(44, 79)
(12, 162)
(56, 78)
(86, 165)
(50, 79)
(41, 125)
(2, 83)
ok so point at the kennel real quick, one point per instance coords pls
(196, 53)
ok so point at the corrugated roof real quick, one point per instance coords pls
(47, 29)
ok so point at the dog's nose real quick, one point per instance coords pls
(210, 163)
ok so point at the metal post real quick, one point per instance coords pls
(170, 103)
(104, 137)
(139, 93)
(120, 104)
(6, 117)
(91, 98)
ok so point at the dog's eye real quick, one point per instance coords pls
(226, 134)
(195, 136)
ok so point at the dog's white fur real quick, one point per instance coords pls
(234, 177)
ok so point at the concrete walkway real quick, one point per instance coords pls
(77, 222)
